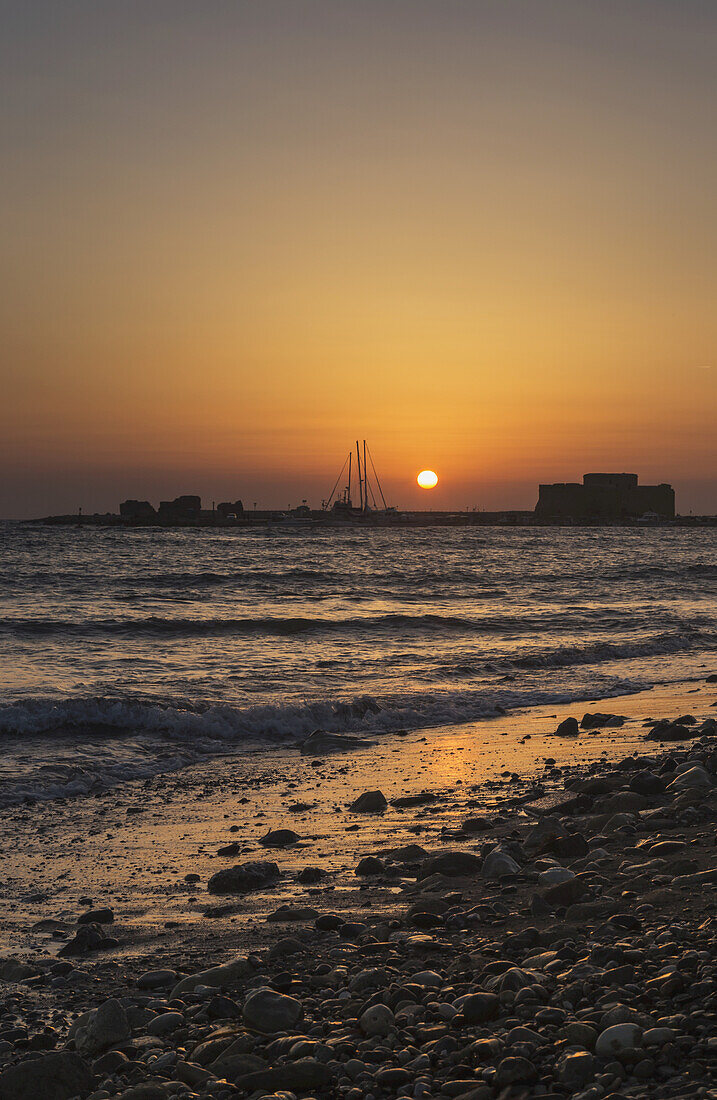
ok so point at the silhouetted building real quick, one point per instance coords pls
(605, 497)
(137, 509)
(226, 509)
(181, 508)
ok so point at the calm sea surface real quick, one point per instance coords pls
(124, 652)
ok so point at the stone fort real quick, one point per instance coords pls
(605, 497)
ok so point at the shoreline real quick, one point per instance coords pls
(130, 849)
(94, 757)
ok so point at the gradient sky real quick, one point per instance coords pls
(238, 235)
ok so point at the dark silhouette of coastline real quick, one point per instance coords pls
(601, 500)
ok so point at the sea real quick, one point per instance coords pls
(125, 653)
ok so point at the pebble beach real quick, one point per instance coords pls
(415, 916)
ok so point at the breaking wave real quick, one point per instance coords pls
(83, 745)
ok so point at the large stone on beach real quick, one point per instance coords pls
(567, 892)
(157, 979)
(376, 977)
(377, 1020)
(568, 846)
(662, 848)
(218, 1045)
(576, 1069)
(300, 1076)
(410, 801)
(557, 802)
(89, 938)
(320, 743)
(555, 874)
(451, 864)
(476, 825)
(696, 778)
(479, 1007)
(370, 865)
(267, 1011)
(619, 1041)
(599, 785)
(698, 878)
(669, 731)
(11, 970)
(292, 913)
(568, 728)
(623, 802)
(498, 864)
(226, 976)
(309, 875)
(243, 878)
(598, 720)
(409, 853)
(617, 822)
(165, 1023)
(235, 1061)
(514, 1071)
(542, 836)
(279, 838)
(105, 1027)
(97, 916)
(370, 802)
(513, 979)
(56, 1076)
(647, 783)
(580, 1034)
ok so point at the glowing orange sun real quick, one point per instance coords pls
(427, 479)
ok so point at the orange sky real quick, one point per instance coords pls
(238, 236)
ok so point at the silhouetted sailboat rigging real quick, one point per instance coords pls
(369, 488)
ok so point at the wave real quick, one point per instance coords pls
(599, 652)
(81, 745)
(484, 577)
(209, 579)
(538, 622)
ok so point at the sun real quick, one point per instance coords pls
(427, 479)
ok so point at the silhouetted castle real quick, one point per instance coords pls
(181, 508)
(606, 497)
(137, 509)
(230, 511)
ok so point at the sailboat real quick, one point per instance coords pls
(341, 505)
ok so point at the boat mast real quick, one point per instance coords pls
(361, 483)
(365, 479)
(348, 488)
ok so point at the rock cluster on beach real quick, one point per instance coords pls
(563, 944)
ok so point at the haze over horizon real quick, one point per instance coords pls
(481, 235)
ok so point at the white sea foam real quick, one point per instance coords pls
(71, 747)
(272, 723)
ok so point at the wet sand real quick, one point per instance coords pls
(131, 847)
